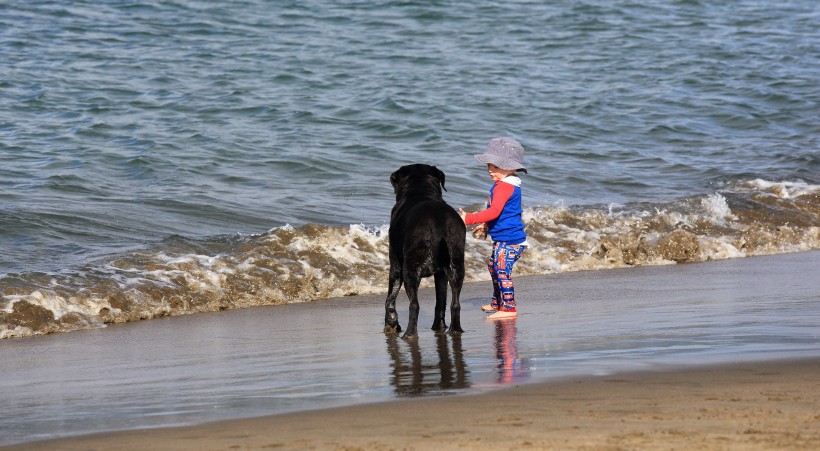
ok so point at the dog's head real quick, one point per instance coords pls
(418, 177)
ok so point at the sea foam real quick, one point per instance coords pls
(311, 262)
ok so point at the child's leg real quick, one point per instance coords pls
(491, 267)
(493, 305)
(505, 257)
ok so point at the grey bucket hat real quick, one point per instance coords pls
(506, 153)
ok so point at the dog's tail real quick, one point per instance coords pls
(451, 257)
(443, 253)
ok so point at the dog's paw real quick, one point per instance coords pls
(439, 328)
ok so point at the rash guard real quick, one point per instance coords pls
(503, 212)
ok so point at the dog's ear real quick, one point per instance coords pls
(394, 179)
(440, 176)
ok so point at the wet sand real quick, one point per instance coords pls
(718, 355)
(763, 405)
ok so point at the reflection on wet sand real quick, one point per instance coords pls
(511, 369)
(416, 373)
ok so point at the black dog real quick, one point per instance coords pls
(426, 239)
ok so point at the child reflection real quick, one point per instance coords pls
(416, 373)
(511, 369)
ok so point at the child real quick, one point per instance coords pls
(502, 220)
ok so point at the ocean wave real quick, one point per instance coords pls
(312, 262)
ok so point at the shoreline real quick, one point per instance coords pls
(605, 331)
(770, 404)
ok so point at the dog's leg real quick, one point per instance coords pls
(456, 281)
(439, 323)
(411, 286)
(391, 317)
(455, 313)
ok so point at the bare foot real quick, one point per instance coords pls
(489, 308)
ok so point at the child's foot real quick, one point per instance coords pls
(489, 308)
(501, 314)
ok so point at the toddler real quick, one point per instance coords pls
(502, 220)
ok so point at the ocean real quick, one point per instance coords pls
(167, 158)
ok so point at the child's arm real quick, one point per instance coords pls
(501, 194)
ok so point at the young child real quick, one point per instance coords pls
(502, 220)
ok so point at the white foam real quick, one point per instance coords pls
(317, 262)
(717, 208)
(784, 190)
(59, 306)
(719, 249)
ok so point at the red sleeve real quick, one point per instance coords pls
(501, 194)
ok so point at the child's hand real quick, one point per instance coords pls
(480, 232)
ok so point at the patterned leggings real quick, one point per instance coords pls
(500, 265)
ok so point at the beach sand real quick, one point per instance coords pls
(714, 332)
(764, 405)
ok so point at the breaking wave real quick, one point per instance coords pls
(313, 262)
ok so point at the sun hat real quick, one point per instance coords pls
(506, 153)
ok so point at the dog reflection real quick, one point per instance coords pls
(511, 369)
(416, 373)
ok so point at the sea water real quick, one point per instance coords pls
(164, 158)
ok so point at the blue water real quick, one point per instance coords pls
(124, 124)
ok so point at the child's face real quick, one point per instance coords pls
(497, 173)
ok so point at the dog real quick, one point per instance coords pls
(427, 238)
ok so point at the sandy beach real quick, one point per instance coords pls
(718, 355)
(764, 405)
